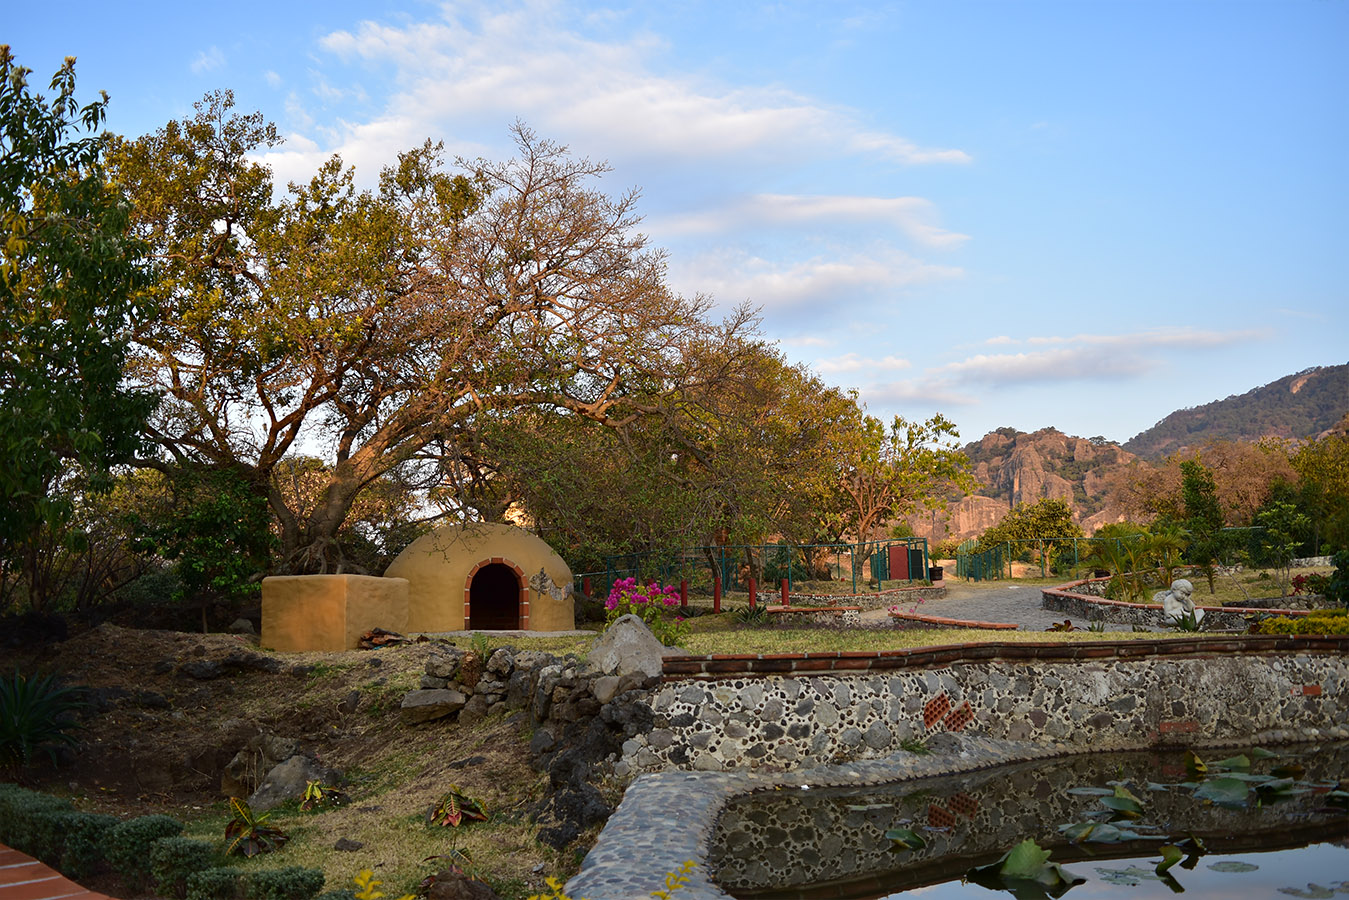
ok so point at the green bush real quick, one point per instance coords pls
(1325, 621)
(35, 714)
(339, 894)
(173, 859)
(290, 883)
(129, 844)
(26, 819)
(86, 836)
(221, 883)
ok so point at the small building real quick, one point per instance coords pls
(480, 577)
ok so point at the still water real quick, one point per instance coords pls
(1283, 833)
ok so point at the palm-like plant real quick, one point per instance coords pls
(35, 714)
(455, 808)
(248, 832)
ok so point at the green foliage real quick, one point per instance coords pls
(1042, 525)
(218, 532)
(174, 859)
(369, 886)
(455, 808)
(221, 883)
(35, 714)
(1324, 621)
(290, 883)
(480, 644)
(1282, 523)
(1337, 588)
(1024, 866)
(129, 842)
(653, 604)
(28, 819)
(248, 833)
(68, 275)
(317, 795)
(85, 836)
(752, 615)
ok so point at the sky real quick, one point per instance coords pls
(1082, 215)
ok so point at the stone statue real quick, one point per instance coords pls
(1176, 602)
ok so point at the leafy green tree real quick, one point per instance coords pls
(69, 276)
(393, 325)
(1323, 482)
(1042, 526)
(1281, 522)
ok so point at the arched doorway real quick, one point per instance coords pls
(494, 598)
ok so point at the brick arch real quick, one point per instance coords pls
(520, 576)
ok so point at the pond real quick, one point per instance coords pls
(1253, 825)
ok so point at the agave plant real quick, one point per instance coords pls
(248, 834)
(35, 714)
(455, 808)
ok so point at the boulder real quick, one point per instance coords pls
(627, 646)
(288, 780)
(451, 885)
(428, 705)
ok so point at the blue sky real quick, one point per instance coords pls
(1077, 214)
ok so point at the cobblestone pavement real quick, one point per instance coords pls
(991, 601)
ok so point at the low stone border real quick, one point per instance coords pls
(873, 599)
(847, 616)
(1080, 598)
(943, 622)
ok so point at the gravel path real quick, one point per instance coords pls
(990, 601)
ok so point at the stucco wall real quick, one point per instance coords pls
(437, 567)
(329, 612)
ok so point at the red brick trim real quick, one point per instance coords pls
(520, 578)
(741, 665)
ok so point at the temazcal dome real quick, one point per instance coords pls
(484, 577)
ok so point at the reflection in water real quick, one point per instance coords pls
(830, 842)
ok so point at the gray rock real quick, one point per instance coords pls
(443, 662)
(348, 846)
(432, 683)
(501, 664)
(428, 705)
(474, 711)
(287, 782)
(627, 646)
(242, 626)
(605, 687)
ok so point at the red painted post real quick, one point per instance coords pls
(585, 586)
(716, 593)
(786, 597)
(684, 594)
(753, 594)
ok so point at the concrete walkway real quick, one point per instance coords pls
(24, 878)
(989, 601)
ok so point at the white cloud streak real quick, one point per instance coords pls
(855, 362)
(208, 61)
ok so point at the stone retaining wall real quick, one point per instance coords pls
(1083, 599)
(718, 713)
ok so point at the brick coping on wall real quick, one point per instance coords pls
(750, 665)
(1066, 590)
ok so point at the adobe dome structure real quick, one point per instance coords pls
(484, 577)
(478, 577)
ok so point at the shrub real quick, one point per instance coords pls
(220, 883)
(290, 883)
(649, 604)
(86, 836)
(174, 859)
(26, 819)
(35, 714)
(1325, 621)
(129, 844)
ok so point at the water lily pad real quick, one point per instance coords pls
(1313, 892)
(1228, 792)
(1123, 805)
(1194, 765)
(1130, 877)
(1025, 871)
(1292, 770)
(1262, 753)
(1090, 792)
(1232, 865)
(1241, 762)
(1103, 833)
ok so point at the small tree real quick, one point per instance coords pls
(1282, 524)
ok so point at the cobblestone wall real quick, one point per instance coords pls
(1106, 696)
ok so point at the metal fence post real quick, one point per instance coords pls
(716, 593)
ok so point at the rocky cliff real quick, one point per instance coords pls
(1014, 468)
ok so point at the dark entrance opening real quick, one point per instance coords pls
(494, 599)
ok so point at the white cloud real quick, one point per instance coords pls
(1064, 364)
(911, 215)
(929, 392)
(208, 61)
(273, 79)
(806, 341)
(1157, 337)
(1001, 339)
(734, 276)
(530, 61)
(855, 362)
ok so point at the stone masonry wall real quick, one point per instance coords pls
(726, 712)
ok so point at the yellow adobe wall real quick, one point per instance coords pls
(438, 565)
(329, 612)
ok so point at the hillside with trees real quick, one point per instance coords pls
(1304, 405)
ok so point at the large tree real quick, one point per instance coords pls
(388, 326)
(68, 273)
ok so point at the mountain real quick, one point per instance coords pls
(1014, 468)
(1304, 405)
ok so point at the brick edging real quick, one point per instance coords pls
(740, 665)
